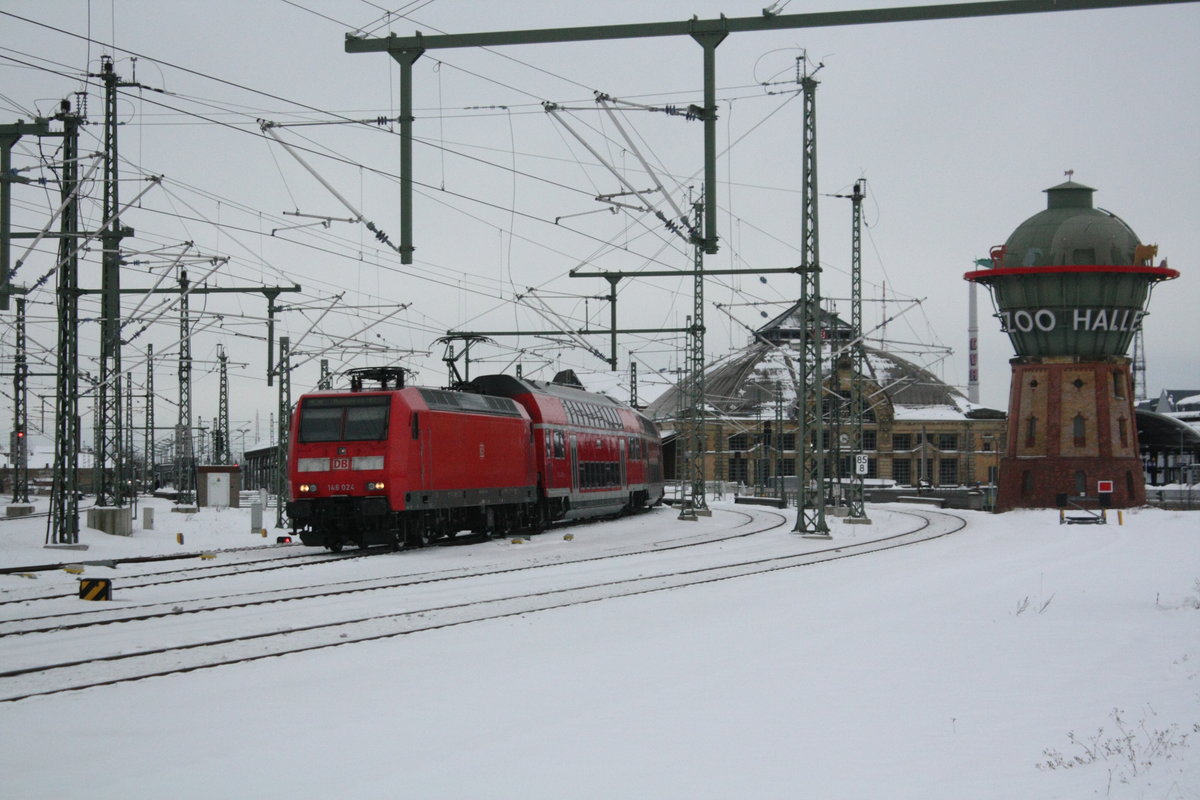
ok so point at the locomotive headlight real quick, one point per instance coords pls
(307, 488)
(375, 487)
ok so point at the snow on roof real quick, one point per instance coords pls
(931, 413)
(1175, 400)
(746, 382)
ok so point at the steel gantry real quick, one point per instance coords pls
(184, 455)
(405, 50)
(9, 136)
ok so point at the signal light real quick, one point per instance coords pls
(283, 540)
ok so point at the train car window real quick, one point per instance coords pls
(560, 445)
(366, 423)
(334, 419)
(320, 424)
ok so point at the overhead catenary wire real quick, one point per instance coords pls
(469, 198)
(379, 263)
(269, 128)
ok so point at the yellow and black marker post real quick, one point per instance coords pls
(95, 589)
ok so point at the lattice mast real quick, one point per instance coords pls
(148, 432)
(110, 462)
(1139, 366)
(62, 527)
(19, 450)
(858, 360)
(693, 435)
(221, 454)
(183, 426)
(810, 498)
(284, 417)
(127, 454)
(776, 443)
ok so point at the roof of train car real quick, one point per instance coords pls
(437, 399)
(508, 386)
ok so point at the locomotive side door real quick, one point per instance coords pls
(424, 444)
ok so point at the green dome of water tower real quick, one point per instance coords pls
(1070, 286)
(1072, 279)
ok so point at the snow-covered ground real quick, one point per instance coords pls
(1016, 658)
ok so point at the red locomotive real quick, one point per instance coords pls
(407, 465)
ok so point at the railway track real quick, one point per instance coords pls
(436, 603)
(272, 563)
(187, 574)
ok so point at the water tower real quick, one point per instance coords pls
(1071, 287)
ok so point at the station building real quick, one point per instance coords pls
(919, 433)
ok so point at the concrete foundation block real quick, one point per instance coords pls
(115, 521)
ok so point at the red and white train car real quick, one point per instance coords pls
(596, 456)
(406, 465)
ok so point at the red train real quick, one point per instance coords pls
(406, 465)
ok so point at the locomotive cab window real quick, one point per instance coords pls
(338, 419)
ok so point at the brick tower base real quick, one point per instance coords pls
(1071, 425)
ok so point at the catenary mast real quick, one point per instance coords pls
(63, 523)
(810, 471)
(110, 466)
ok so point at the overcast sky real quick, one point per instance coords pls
(957, 127)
